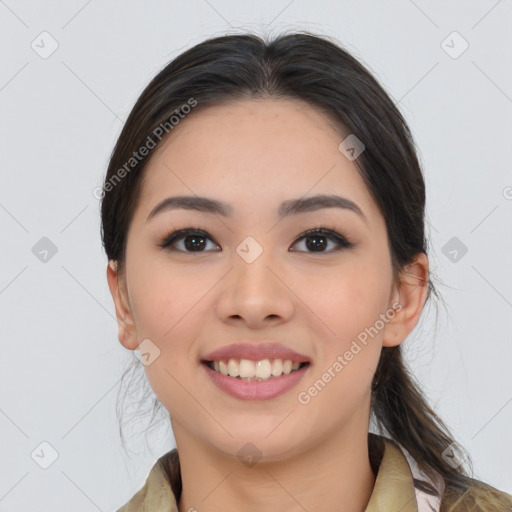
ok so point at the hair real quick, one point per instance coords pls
(323, 74)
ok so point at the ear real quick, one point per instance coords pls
(410, 294)
(126, 325)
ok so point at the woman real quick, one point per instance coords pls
(263, 217)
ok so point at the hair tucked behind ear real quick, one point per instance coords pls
(323, 74)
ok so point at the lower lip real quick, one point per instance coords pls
(256, 390)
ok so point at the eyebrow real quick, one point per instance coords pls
(287, 208)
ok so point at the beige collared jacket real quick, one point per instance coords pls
(399, 487)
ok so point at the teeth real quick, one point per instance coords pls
(277, 367)
(263, 369)
(248, 370)
(233, 368)
(223, 368)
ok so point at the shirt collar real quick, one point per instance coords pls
(398, 485)
(394, 487)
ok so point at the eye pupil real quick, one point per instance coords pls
(193, 246)
(320, 245)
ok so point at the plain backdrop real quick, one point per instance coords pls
(70, 73)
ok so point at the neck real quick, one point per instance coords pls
(333, 475)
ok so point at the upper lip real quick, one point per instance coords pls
(255, 352)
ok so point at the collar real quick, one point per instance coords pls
(394, 487)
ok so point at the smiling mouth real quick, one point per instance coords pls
(249, 371)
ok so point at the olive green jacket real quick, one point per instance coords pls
(400, 486)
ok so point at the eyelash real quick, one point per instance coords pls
(342, 241)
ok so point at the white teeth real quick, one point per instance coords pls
(223, 368)
(246, 368)
(262, 370)
(277, 367)
(233, 368)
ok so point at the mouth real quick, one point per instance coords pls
(250, 371)
(264, 379)
(255, 371)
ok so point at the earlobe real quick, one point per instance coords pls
(126, 326)
(410, 293)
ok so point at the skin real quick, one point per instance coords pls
(254, 154)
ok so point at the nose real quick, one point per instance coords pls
(255, 292)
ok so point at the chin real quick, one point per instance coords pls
(252, 445)
(259, 452)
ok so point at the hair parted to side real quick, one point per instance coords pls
(323, 74)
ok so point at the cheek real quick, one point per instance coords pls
(349, 334)
(164, 312)
(350, 352)
(346, 305)
(164, 299)
(169, 305)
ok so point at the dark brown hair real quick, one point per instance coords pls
(323, 74)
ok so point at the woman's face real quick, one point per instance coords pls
(249, 278)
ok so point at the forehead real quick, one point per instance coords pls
(254, 154)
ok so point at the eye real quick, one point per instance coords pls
(316, 240)
(195, 240)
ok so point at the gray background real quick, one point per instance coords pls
(60, 116)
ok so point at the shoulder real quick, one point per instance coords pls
(161, 489)
(473, 496)
(477, 497)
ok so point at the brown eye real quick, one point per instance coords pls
(193, 240)
(318, 239)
